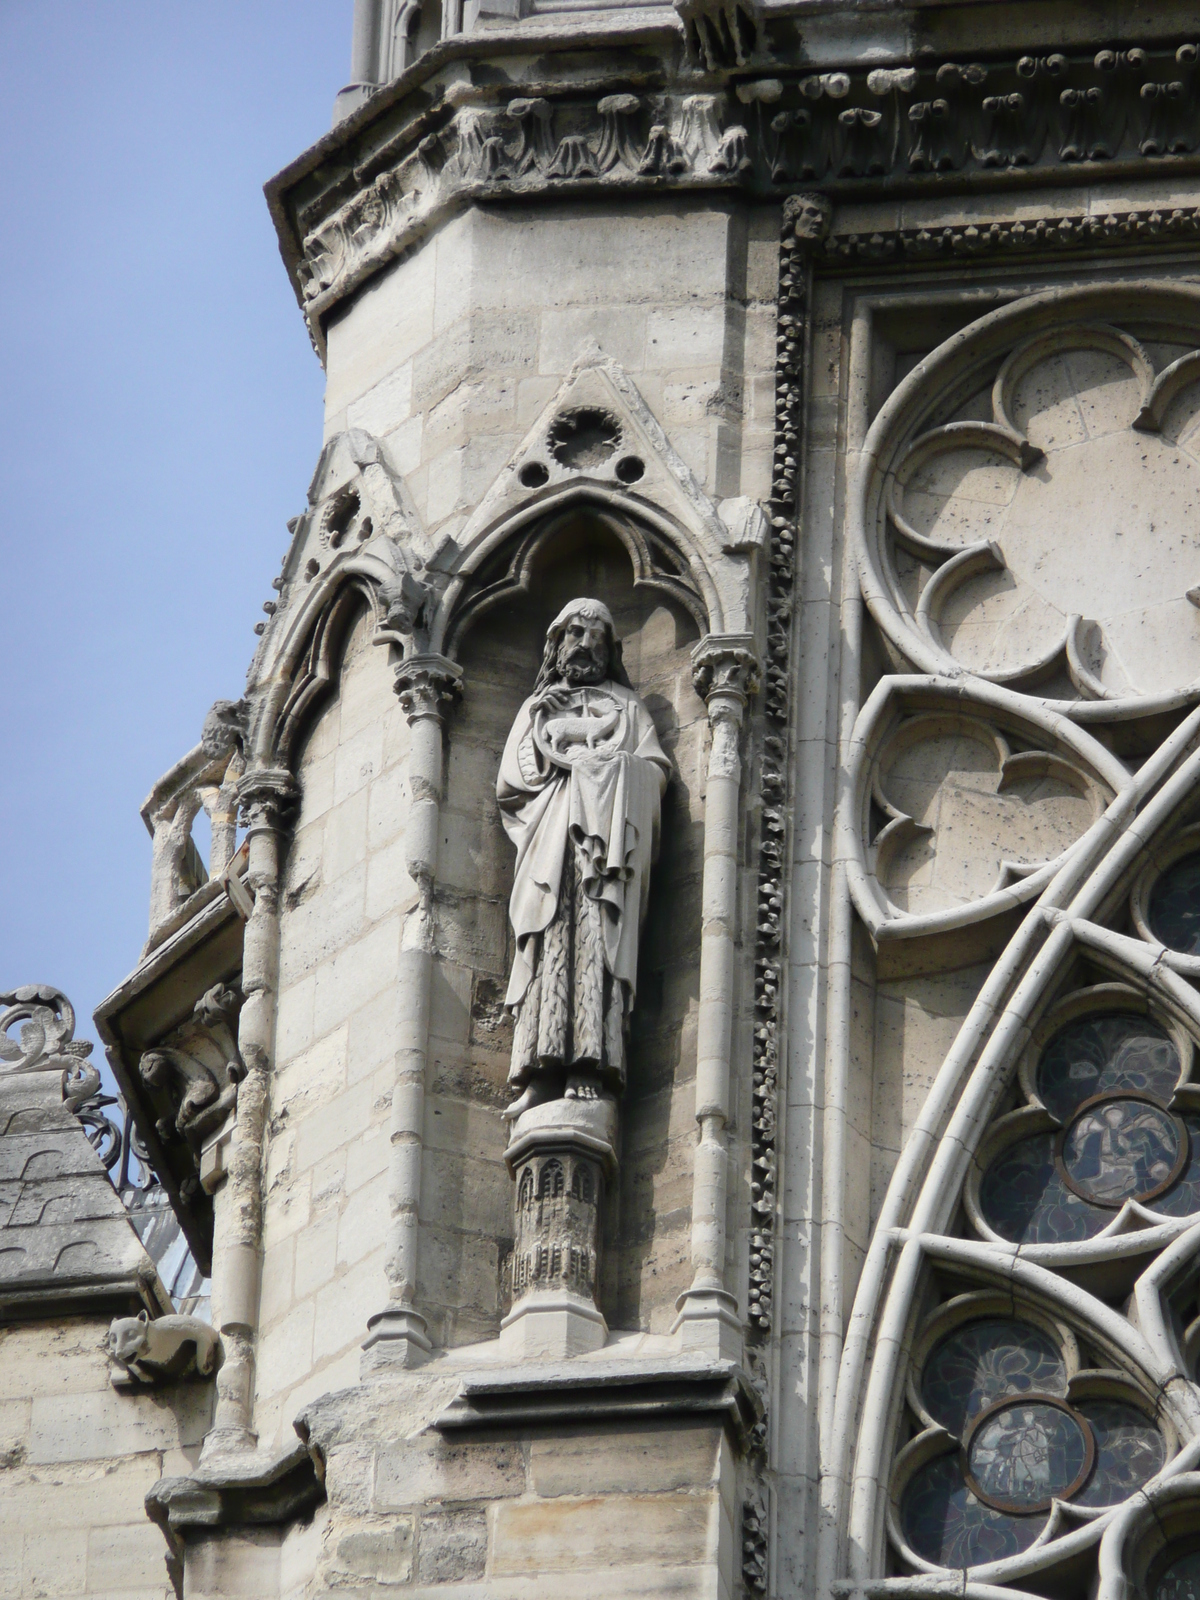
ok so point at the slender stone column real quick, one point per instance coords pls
(267, 801)
(725, 671)
(364, 41)
(428, 687)
(365, 64)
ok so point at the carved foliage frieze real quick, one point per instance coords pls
(788, 128)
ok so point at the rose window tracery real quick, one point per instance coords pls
(1014, 1426)
(1174, 909)
(1108, 1130)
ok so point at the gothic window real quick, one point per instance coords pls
(581, 1184)
(1106, 1081)
(999, 1388)
(1176, 1575)
(1175, 906)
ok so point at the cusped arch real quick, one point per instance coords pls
(307, 658)
(946, 507)
(502, 564)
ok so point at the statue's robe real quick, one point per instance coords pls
(580, 789)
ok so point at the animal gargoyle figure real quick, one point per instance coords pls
(163, 1350)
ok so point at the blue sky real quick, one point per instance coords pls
(161, 416)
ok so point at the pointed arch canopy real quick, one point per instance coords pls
(503, 563)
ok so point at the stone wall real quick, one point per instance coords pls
(447, 359)
(76, 1460)
(625, 1507)
(451, 354)
(344, 896)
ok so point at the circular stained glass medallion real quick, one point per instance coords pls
(1106, 1053)
(1174, 909)
(1022, 1454)
(1120, 1147)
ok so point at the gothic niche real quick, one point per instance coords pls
(588, 1233)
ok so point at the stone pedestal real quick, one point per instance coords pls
(560, 1155)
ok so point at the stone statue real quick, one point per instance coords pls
(169, 1347)
(580, 786)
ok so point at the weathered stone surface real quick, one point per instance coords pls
(432, 1469)
(453, 1546)
(892, 332)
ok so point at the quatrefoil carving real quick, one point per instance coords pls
(1046, 534)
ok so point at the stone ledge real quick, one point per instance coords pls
(237, 1490)
(600, 1390)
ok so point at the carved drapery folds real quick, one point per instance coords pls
(783, 126)
(579, 787)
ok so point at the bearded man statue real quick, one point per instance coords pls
(580, 789)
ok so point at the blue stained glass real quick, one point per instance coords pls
(1120, 1150)
(986, 1361)
(1129, 1451)
(1097, 1054)
(1026, 1453)
(1174, 911)
(1182, 1198)
(1026, 1201)
(1181, 1579)
(946, 1523)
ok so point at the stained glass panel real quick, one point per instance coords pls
(1098, 1054)
(1174, 911)
(1183, 1197)
(948, 1524)
(1026, 1201)
(1181, 1579)
(1022, 1455)
(1129, 1451)
(1122, 1149)
(985, 1361)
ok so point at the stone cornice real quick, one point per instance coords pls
(1050, 234)
(457, 130)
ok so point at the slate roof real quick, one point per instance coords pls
(65, 1239)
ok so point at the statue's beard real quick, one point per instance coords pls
(582, 667)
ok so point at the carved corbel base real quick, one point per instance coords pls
(397, 1337)
(561, 1154)
(708, 1324)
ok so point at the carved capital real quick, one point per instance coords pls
(725, 671)
(428, 686)
(267, 798)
